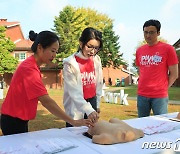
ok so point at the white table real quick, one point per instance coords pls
(84, 144)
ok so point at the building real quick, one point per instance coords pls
(177, 47)
(22, 50)
(52, 77)
(121, 73)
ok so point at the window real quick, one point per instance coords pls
(20, 55)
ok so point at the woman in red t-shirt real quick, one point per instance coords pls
(27, 88)
(83, 79)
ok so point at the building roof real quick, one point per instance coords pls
(14, 32)
(8, 24)
(23, 45)
(126, 71)
(177, 44)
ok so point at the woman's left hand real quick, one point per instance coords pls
(83, 122)
(94, 116)
(98, 110)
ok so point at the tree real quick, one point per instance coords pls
(67, 26)
(110, 54)
(72, 21)
(93, 19)
(7, 62)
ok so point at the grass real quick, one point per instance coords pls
(174, 92)
(45, 120)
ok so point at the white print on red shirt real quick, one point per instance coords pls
(151, 60)
(88, 78)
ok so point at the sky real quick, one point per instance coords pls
(128, 17)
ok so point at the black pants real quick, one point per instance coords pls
(93, 102)
(11, 125)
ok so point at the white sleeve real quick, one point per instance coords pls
(73, 86)
(99, 84)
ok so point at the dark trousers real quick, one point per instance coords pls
(93, 102)
(11, 125)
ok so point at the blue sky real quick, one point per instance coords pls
(128, 15)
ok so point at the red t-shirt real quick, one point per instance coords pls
(25, 88)
(87, 70)
(153, 62)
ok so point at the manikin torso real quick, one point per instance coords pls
(114, 131)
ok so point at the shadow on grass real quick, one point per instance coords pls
(132, 114)
(45, 120)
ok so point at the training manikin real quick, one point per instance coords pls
(114, 131)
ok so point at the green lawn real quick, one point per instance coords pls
(174, 92)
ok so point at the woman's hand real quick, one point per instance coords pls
(94, 116)
(83, 122)
(98, 110)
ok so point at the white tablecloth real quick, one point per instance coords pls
(84, 145)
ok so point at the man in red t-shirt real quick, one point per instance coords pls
(158, 69)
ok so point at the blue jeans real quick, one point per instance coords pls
(145, 104)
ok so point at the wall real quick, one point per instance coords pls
(52, 79)
(114, 74)
(177, 82)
